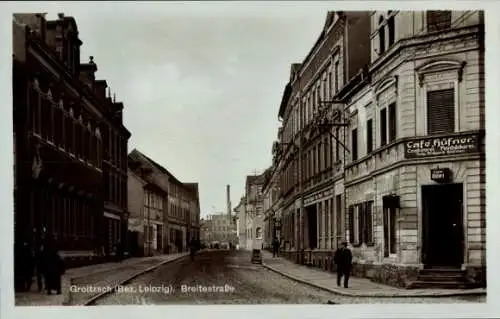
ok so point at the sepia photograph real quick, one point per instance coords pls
(273, 156)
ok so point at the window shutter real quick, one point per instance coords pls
(440, 111)
(369, 223)
(361, 224)
(351, 224)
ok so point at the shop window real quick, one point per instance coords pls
(369, 136)
(438, 20)
(440, 111)
(389, 231)
(392, 122)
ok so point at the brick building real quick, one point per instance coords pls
(69, 138)
(311, 182)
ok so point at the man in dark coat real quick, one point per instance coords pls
(54, 268)
(343, 260)
(276, 247)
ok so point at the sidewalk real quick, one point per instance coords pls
(100, 275)
(358, 287)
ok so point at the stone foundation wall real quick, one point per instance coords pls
(392, 275)
(476, 275)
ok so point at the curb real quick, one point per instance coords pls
(91, 300)
(375, 294)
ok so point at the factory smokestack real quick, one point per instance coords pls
(228, 200)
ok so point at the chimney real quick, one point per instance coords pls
(228, 200)
(87, 72)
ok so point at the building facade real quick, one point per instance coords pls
(272, 212)
(311, 154)
(62, 123)
(415, 180)
(217, 227)
(402, 178)
(254, 212)
(239, 210)
(147, 212)
(181, 209)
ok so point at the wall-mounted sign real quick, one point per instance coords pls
(441, 175)
(429, 146)
(317, 196)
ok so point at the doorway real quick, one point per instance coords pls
(443, 231)
(312, 226)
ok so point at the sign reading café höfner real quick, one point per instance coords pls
(447, 145)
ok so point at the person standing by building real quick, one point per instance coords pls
(343, 260)
(276, 247)
(54, 267)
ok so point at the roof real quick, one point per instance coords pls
(284, 100)
(193, 187)
(255, 179)
(156, 165)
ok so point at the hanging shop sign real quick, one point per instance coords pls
(441, 175)
(452, 145)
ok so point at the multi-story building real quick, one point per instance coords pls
(272, 202)
(311, 154)
(415, 177)
(254, 212)
(218, 227)
(181, 210)
(63, 121)
(147, 212)
(407, 149)
(239, 210)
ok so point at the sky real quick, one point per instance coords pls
(201, 82)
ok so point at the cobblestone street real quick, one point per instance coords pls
(253, 284)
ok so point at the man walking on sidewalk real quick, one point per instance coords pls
(343, 260)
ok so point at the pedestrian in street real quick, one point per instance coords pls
(276, 247)
(343, 260)
(192, 247)
(39, 265)
(54, 267)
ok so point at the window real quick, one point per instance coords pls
(390, 29)
(367, 225)
(392, 122)
(389, 231)
(35, 109)
(440, 111)
(339, 213)
(354, 146)
(258, 233)
(381, 35)
(337, 144)
(351, 224)
(383, 127)
(337, 76)
(330, 80)
(438, 20)
(369, 136)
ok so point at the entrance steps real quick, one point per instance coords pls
(441, 277)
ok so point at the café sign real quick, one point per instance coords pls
(451, 145)
(441, 175)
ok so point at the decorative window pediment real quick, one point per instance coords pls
(71, 113)
(440, 66)
(97, 133)
(61, 104)
(384, 84)
(49, 94)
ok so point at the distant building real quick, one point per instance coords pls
(181, 209)
(254, 212)
(239, 211)
(217, 227)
